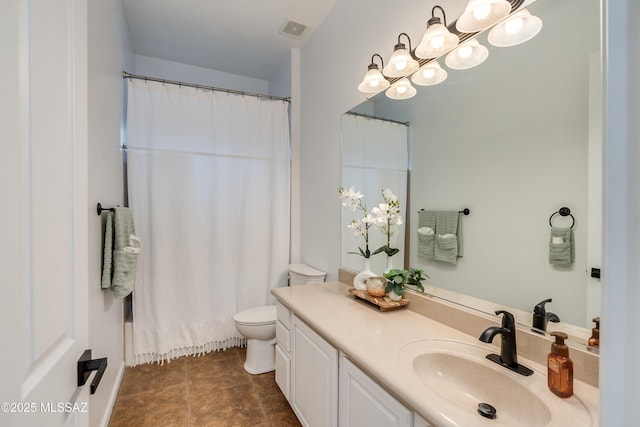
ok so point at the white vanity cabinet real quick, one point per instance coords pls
(418, 421)
(283, 349)
(314, 377)
(364, 403)
(325, 388)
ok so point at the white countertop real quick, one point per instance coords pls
(373, 340)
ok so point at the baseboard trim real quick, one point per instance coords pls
(112, 398)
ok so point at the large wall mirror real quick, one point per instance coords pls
(514, 140)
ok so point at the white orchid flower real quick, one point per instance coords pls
(352, 199)
(388, 196)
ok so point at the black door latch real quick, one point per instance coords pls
(86, 365)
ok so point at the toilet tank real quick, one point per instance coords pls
(299, 274)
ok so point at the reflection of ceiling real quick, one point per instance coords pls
(241, 36)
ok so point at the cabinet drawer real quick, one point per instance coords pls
(283, 337)
(283, 315)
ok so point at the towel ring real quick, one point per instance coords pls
(563, 212)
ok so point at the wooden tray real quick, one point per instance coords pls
(383, 303)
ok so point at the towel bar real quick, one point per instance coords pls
(99, 209)
(465, 211)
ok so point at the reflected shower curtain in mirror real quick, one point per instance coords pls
(208, 180)
(374, 157)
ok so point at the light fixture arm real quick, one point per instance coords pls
(436, 20)
(373, 65)
(401, 45)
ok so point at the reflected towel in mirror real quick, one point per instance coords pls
(561, 246)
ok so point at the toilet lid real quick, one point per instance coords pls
(257, 315)
(306, 270)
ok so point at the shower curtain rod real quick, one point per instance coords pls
(126, 75)
(377, 118)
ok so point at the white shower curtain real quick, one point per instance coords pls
(208, 177)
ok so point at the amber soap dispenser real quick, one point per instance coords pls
(560, 367)
(594, 341)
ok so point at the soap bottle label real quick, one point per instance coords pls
(560, 379)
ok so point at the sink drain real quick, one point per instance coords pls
(486, 410)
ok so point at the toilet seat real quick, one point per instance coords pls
(264, 315)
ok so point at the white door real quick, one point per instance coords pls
(43, 212)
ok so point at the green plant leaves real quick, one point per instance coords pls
(363, 253)
(397, 278)
(387, 250)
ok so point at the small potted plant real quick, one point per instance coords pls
(397, 279)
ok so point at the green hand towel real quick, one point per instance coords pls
(562, 248)
(448, 245)
(107, 263)
(426, 234)
(119, 269)
(124, 263)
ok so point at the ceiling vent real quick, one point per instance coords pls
(293, 29)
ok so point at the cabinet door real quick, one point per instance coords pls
(283, 372)
(418, 421)
(314, 393)
(363, 403)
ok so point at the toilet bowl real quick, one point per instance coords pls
(258, 324)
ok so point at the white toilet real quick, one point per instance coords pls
(258, 324)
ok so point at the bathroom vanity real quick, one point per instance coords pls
(342, 362)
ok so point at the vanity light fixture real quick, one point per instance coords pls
(457, 41)
(402, 89)
(482, 14)
(374, 81)
(429, 74)
(437, 38)
(401, 62)
(467, 55)
(518, 28)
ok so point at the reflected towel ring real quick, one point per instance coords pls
(563, 212)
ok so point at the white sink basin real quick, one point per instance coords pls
(458, 378)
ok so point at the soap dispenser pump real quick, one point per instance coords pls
(560, 367)
(594, 340)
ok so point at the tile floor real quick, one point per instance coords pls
(212, 390)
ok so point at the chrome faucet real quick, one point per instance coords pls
(508, 351)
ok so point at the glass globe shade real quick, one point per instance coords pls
(482, 14)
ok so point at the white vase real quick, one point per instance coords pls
(389, 264)
(359, 282)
